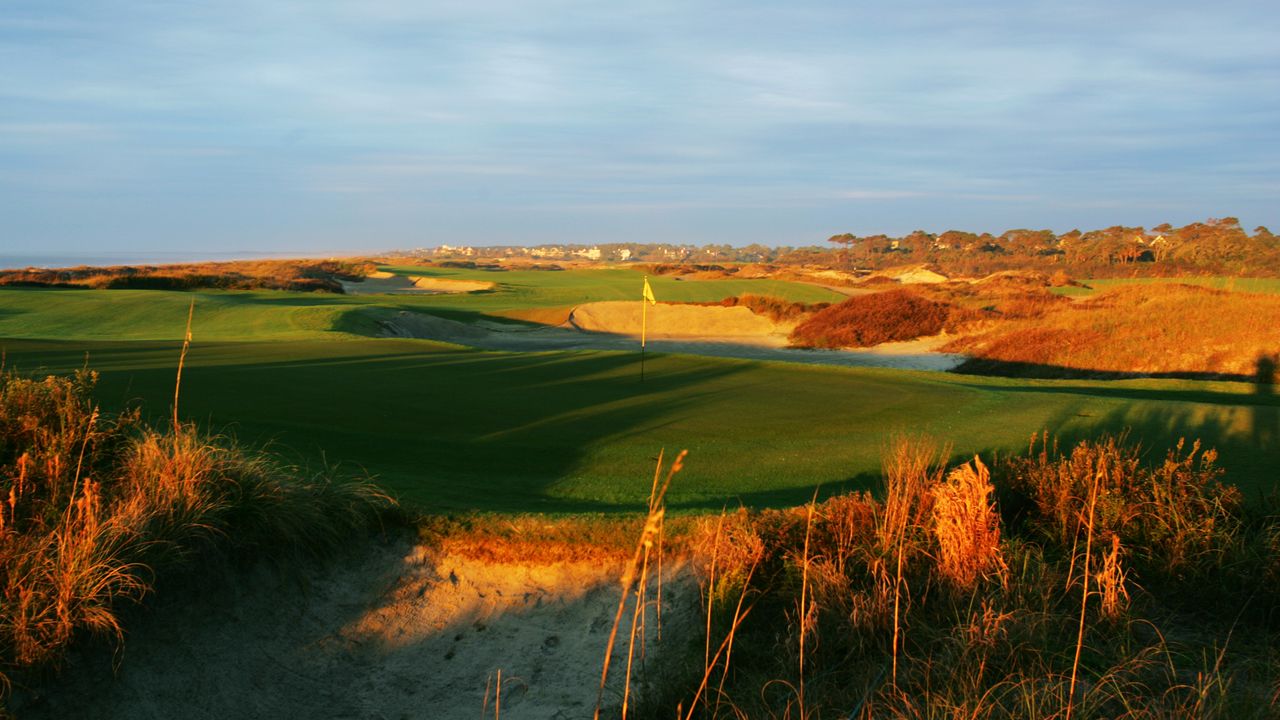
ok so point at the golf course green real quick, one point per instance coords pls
(451, 428)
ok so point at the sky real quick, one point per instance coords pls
(316, 126)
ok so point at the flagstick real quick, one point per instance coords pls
(644, 316)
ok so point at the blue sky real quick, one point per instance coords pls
(314, 126)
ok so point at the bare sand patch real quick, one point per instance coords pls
(397, 632)
(673, 321)
(448, 285)
(917, 275)
(385, 283)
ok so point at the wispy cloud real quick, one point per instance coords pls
(242, 118)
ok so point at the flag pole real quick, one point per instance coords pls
(644, 317)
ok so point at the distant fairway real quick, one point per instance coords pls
(271, 315)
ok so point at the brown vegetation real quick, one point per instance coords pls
(97, 506)
(866, 320)
(1140, 329)
(1109, 588)
(776, 309)
(297, 275)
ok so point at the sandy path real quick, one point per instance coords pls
(392, 634)
(921, 354)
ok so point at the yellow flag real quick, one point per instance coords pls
(648, 293)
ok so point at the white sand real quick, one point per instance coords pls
(912, 275)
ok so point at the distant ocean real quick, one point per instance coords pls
(57, 260)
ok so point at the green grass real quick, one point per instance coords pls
(519, 289)
(275, 316)
(452, 428)
(448, 428)
(1254, 285)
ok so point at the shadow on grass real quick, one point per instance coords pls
(1012, 369)
(450, 429)
(1245, 436)
(453, 429)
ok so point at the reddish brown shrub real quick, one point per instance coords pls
(776, 309)
(866, 320)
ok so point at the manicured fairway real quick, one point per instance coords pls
(520, 289)
(450, 428)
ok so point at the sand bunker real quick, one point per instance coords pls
(394, 633)
(914, 275)
(385, 283)
(673, 321)
(914, 355)
(446, 285)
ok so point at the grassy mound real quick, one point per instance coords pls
(867, 320)
(93, 507)
(1158, 329)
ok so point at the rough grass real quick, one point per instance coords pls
(776, 309)
(928, 604)
(298, 275)
(1137, 329)
(93, 507)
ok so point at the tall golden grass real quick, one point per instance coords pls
(926, 603)
(966, 526)
(99, 505)
(635, 579)
(1139, 329)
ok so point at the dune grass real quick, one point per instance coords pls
(1166, 329)
(1240, 284)
(928, 600)
(94, 506)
